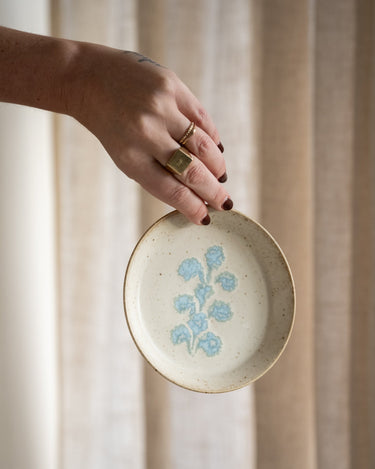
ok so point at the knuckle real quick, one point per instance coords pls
(142, 125)
(162, 98)
(178, 195)
(195, 175)
(167, 83)
(203, 146)
(156, 105)
(201, 117)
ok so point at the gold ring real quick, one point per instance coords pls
(179, 161)
(189, 132)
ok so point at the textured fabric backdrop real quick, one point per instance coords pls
(291, 87)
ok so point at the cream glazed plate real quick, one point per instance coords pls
(211, 308)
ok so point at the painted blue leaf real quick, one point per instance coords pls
(210, 343)
(214, 257)
(185, 303)
(180, 334)
(202, 292)
(189, 268)
(227, 280)
(220, 311)
(198, 323)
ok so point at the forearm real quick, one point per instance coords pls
(34, 70)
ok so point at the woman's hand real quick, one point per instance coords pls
(139, 111)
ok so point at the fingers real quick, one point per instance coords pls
(198, 178)
(163, 185)
(200, 144)
(190, 106)
(187, 192)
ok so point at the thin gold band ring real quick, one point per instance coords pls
(189, 132)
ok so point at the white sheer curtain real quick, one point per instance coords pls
(291, 87)
(28, 309)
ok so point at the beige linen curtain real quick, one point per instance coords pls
(291, 87)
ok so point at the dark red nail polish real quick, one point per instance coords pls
(223, 178)
(228, 204)
(220, 147)
(206, 220)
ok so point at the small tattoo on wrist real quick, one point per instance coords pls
(143, 58)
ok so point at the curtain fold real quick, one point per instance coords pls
(285, 396)
(291, 87)
(362, 321)
(334, 117)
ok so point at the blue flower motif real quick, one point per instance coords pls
(214, 257)
(202, 292)
(189, 268)
(195, 331)
(198, 323)
(210, 343)
(227, 280)
(184, 303)
(180, 334)
(220, 311)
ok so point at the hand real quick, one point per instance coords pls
(139, 111)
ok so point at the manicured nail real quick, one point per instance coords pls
(223, 178)
(220, 146)
(206, 220)
(228, 204)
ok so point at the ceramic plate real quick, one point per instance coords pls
(210, 307)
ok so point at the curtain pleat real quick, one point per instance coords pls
(285, 396)
(362, 321)
(334, 117)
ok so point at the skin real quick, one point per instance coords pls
(137, 109)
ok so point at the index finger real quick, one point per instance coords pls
(190, 106)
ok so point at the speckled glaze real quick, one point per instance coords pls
(212, 307)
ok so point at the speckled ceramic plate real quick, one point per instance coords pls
(210, 307)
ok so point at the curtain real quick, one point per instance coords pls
(291, 87)
(28, 297)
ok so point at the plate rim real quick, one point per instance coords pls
(250, 380)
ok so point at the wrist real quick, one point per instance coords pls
(73, 81)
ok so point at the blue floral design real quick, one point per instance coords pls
(180, 334)
(220, 311)
(202, 292)
(198, 323)
(214, 257)
(185, 303)
(210, 343)
(193, 331)
(227, 280)
(190, 268)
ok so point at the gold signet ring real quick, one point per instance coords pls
(189, 132)
(179, 161)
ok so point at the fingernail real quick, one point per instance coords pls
(223, 178)
(228, 204)
(220, 146)
(206, 220)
